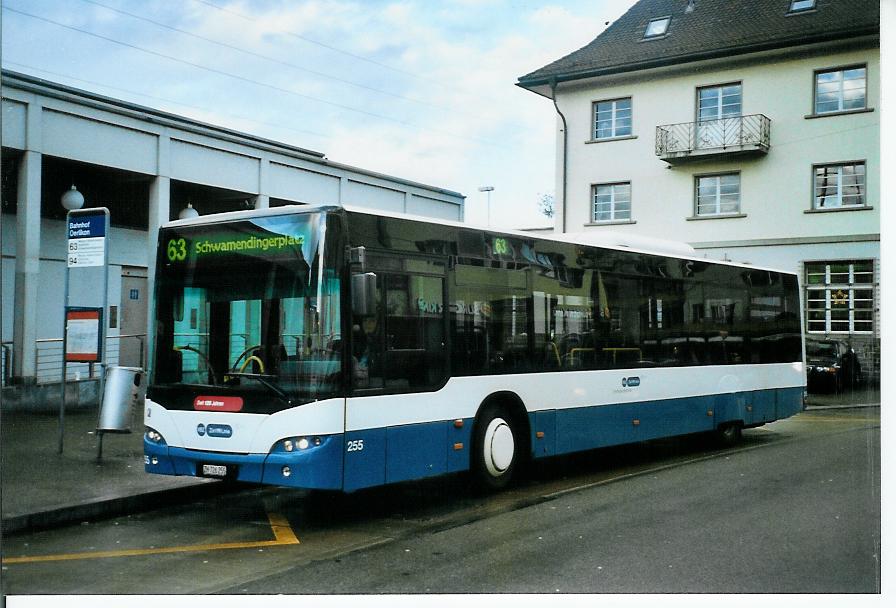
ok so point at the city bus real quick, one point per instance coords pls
(339, 348)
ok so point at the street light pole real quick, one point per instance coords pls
(488, 190)
(71, 200)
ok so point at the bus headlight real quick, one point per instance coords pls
(293, 444)
(153, 436)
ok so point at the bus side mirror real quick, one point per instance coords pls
(364, 294)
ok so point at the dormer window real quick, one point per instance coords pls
(798, 6)
(657, 27)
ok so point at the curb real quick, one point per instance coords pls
(812, 406)
(113, 507)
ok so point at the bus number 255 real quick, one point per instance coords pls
(355, 446)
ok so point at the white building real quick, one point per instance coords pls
(747, 128)
(145, 166)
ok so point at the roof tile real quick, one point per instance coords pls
(713, 27)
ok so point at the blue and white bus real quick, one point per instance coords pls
(338, 348)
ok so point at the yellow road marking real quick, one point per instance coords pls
(283, 535)
(282, 531)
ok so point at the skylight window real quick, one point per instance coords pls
(797, 6)
(657, 27)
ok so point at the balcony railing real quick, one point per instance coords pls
(709, 138)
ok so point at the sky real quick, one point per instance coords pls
(418, 89)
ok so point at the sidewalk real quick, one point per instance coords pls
(863, 396)
(40, 488)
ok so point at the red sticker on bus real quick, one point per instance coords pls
(218, 404)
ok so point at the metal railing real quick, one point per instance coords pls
(48, 359)
(734, 134)
(6, 363)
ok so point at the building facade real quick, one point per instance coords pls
(145, 166)
(748, 128)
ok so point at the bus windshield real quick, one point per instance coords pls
(247, 312)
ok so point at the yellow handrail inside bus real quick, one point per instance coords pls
(556, 353)
(249, 360)
(574, 353)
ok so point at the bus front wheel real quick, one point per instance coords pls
(496, 448)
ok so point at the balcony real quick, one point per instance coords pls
(733, 136)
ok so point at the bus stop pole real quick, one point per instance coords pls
(64, 347)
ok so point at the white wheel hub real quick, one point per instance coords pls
(498, 447)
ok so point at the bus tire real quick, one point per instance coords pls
(497, 446)
(729, 434)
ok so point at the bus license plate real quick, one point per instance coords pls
(214, 470)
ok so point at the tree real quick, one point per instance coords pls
(546, 204)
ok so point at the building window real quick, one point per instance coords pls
(611, 202)
(612, 118)
(718, 115)
(840, 296)
(839, 186)
(718, 194)
(798, 6)
(840, 90)
(657, 27)
(719, 101)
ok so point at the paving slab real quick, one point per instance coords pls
(40, 488)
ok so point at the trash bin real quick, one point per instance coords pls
(124, 393)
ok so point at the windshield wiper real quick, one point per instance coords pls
(192, 349)
(263, 379)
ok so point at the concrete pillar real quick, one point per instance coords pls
(28, 248)
(263, 200)
(343, 189)
(159, 212)
(27, 267)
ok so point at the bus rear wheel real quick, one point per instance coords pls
(729, 434)
(496, 449)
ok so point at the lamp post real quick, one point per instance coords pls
(71, 200)
(488, 190)
(188, 212)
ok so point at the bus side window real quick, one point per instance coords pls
(402, 344)
(367, 339)
(414, 354)
(490, 312)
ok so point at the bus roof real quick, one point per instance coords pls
(605, 239)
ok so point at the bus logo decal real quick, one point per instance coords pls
(219, 430)
(630, 382)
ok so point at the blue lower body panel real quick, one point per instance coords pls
(358, 459)
(789, 402)
(571, 430)
(318, 467)
(404, 453)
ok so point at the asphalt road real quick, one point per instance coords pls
(795, 508)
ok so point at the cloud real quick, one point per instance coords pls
(448, 112)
